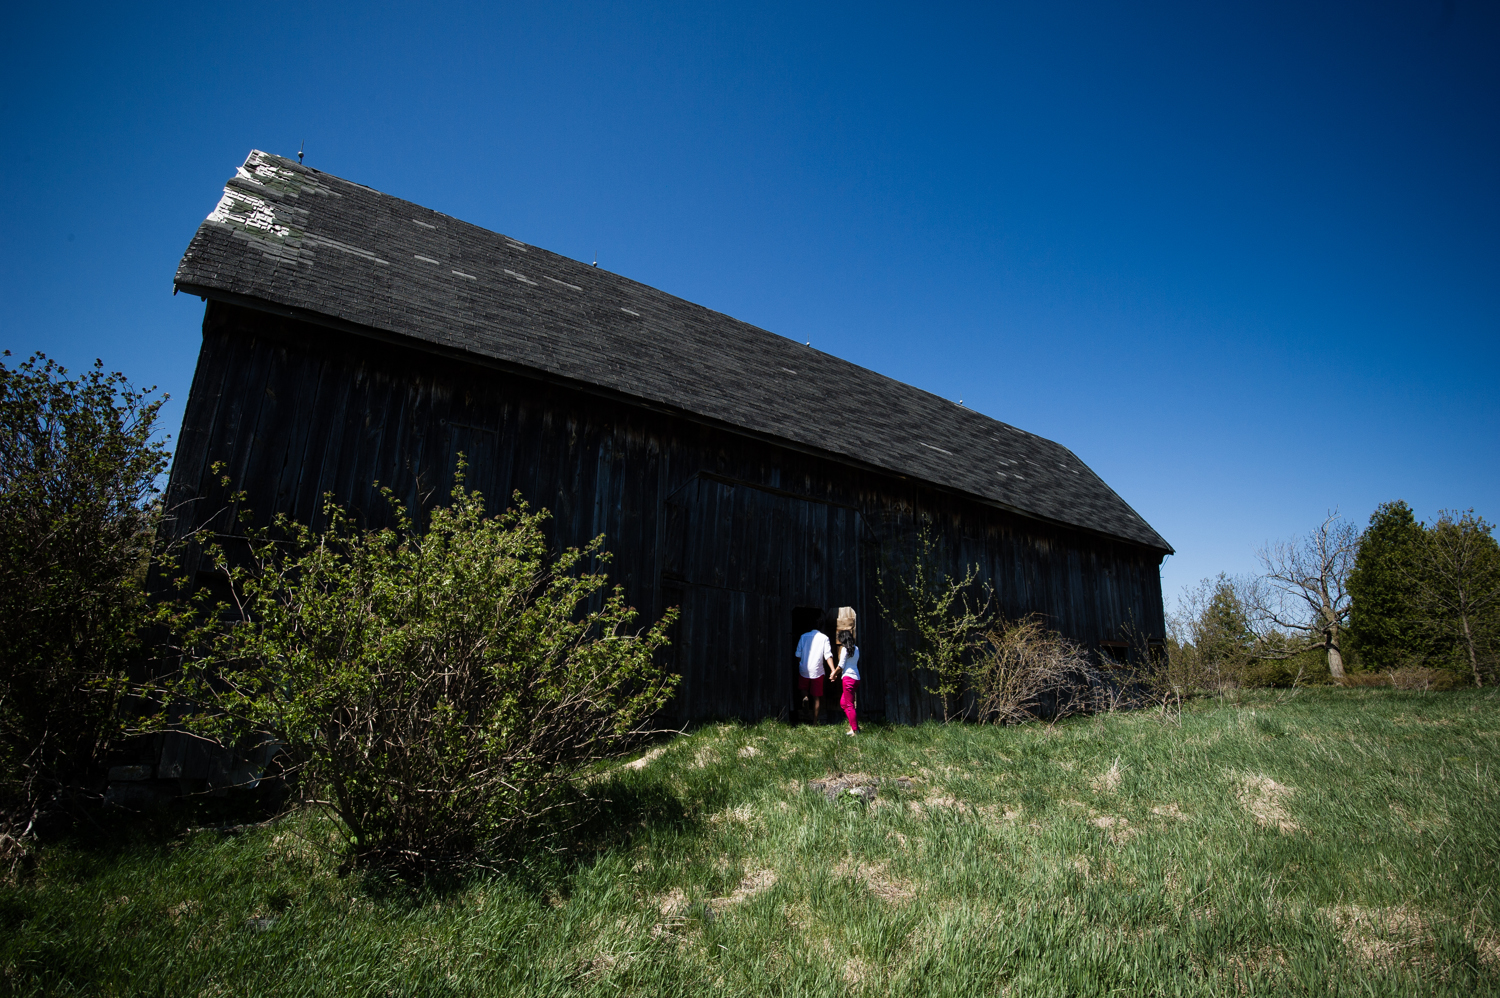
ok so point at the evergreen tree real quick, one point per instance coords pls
(1457, 590)
(1224, 634)
(1386, 629)
(1211, 643)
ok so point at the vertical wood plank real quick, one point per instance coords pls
(298, 410)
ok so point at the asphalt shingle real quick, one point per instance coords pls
(294, 237)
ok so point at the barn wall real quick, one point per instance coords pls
(737, 532)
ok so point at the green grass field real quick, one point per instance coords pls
(1335, 842)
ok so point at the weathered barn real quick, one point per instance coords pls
(352, 337)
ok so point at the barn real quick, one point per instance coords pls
(351, 338)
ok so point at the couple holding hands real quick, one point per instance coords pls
(815, 658)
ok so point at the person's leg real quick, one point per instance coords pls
(817, 695)
(848, 703)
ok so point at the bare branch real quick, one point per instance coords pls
(1304, 588)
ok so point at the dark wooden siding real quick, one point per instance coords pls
(739, 559)
(736, 531)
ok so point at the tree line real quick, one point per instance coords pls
(1401, 602)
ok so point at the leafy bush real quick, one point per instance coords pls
(439, 692)
(1283, 671)
(78, 514)
(1360, 680)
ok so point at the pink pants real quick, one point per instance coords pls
(847, 702)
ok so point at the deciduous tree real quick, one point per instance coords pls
(1304, 588)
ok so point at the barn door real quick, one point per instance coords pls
(738, 560)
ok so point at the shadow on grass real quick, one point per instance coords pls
(97, 834)
(540, 860)
(544, 861)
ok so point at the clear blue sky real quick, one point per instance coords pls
(1242, 258)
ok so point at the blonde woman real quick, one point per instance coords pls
(848, 668)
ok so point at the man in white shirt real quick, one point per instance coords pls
(814, 658)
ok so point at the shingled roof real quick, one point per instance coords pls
(306, 243)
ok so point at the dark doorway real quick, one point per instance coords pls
(747, 566)
(805, 618)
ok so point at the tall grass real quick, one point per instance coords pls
(1336, 842)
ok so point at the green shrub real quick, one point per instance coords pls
(441, 692)
(1271, 673)
(78, 514)
(1300, 668)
